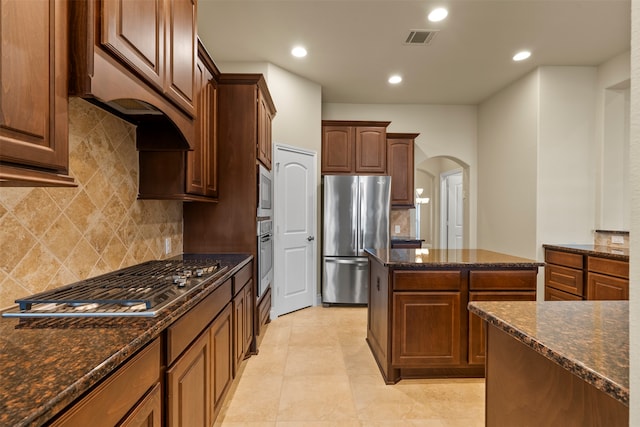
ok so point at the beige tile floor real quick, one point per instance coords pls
(315, 369)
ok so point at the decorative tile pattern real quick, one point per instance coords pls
(54, 236)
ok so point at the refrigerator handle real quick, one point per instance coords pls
(362, 220)
(355, 214)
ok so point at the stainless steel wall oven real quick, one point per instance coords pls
(265, 255)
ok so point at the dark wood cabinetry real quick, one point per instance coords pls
(265, 117)
(187, 175)
(209, 228)
(243, 306)
(400, 166)
(133, 389)
(135, 55)
(34, 149)
(418, 325)
(350, 147)
(571, 276)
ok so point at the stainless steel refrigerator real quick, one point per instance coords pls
(355, 213)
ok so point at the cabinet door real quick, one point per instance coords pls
(264, 132)
(181, 40)
(601, 287)
(33, 78)
(565, 279)
(222, 358)
(188, 391)
(239, 320)
(477, 328)
(426, 329)
(338, 149)
(133, 32)
(148, 413)
(371, 150)
(400, 167)
(202, 164)
(248, 315)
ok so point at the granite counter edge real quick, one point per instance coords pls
(54, 406)
(591, 377)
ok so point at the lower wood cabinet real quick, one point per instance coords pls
(426, 329)
(572, 276)
(130, 390)
(199, 379)
(418, 325)
(477, 328)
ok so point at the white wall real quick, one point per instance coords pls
(507, 167)
(634, 291)
(445, 130)
(566, 156)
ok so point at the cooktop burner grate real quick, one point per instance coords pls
(140, 290)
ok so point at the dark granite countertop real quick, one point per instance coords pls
(442, 258)
(45, 364)
(588, 338)
(405, 239)
(621, 254)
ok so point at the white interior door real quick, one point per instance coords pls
(295, 227)
(452, 211)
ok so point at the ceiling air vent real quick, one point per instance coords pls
(420, 37)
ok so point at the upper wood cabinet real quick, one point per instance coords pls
(34, 104)
(187, 175)
(265, 117)
(157, 40)
(354, 147)
(135, 50)
(400, 166)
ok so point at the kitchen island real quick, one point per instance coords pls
(97, 370)
(556, 363)
(418, 325)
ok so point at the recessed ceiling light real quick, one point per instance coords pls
(395, 79)
(438, 14)
(299, 52)
(522, 55)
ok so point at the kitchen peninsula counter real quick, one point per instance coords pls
(611, 252)
(418, 325)
(556, 362)
(47, 363)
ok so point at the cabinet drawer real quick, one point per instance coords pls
(564, 258)
(608, 266)
(552, 294)
(438, 280)
(503, 279)
(565, 279)
(184, 330)
(118, 394)
(242, 277)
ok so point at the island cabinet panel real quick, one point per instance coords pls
(421, 280)
(524, 388)
(378, 322)
(148, 413)
(123, 392)
(503, 280)
(426, 329)
(34, 148)
(477, 327)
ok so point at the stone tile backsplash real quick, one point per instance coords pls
(55, 236)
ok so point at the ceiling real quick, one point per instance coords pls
(355, 45)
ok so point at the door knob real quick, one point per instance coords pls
(310, 238)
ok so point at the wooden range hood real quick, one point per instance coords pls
(100, 75)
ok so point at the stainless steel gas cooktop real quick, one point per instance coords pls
(140, 290)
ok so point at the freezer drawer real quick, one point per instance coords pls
(345, 280)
